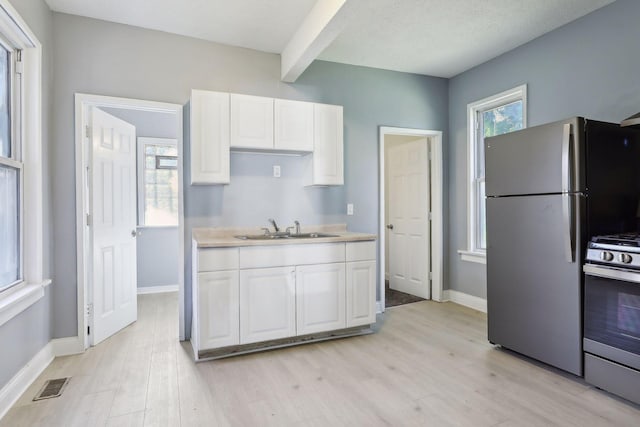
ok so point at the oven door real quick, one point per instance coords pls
(612, 314)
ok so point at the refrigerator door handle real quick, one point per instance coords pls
(567, 226)
(566, 160)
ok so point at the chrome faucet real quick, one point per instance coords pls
(297, 223)
(275, 226)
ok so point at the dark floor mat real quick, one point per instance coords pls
(393, 297)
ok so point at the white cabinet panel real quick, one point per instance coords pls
(209, 134)
(361, 251)
(267, 304)
(215, 259)
(361, 293)
(283, 255)
(251, 122)
(293, 125)
(328, 156)
(320, 298)
(218, 309)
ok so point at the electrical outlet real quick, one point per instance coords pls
(349, 208)
(276, 171)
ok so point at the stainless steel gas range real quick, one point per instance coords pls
(612, 314)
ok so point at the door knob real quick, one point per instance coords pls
(134, 233)
(390, 226)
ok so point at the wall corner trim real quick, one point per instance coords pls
(473, 302)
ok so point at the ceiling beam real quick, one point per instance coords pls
(321, 26)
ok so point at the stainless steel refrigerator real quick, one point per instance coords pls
(549, 188)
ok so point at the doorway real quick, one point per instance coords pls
(92, 180)
(411, 215)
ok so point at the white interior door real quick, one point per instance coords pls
(408, 220)
(113, 224)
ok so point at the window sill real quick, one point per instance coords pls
(17, 300)
(470, 256)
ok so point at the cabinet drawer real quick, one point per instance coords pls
(218, 259)
(283, 255)
(361, 251)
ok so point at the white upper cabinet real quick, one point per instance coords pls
(209, 137)
(251, 122)
(221, 122)
(293, 125)
(328, 157)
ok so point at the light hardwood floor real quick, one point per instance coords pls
(430, 365)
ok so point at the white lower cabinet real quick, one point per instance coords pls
(259, 294)
(267, 304)
(361, 293)
(320, 298)
(218, 305)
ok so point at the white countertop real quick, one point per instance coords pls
(223, 237)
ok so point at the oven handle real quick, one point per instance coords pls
(610, 273)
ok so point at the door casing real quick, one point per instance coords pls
(437, 213)
(83, 102)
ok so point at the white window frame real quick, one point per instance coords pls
(142, 141)
(28, 130)
(473, 253)
(14, 161)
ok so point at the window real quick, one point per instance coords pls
(502, 113)
(21, 185)
(157, 182)
(10, 169)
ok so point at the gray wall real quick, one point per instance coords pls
(589, 67)
(24, 335)
(157, 247)
(117, 60)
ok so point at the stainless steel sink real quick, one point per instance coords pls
(284, 236)
(311, 235)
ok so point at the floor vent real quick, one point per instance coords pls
(52, 388)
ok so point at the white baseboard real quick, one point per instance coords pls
(17, 385)
(67, 346)
(21, 381)
(467, 300)
(157, 289)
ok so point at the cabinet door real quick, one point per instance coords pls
(293, 125)
(267, 304)
(328, 168)
(361, 293)
(251, 122)
(209, 135)
(320, 298)
(218, 302)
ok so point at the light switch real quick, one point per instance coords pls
(349, 208)
(276, 171)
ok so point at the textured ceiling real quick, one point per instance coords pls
(433, 37)
(446, 37)
(265, 25)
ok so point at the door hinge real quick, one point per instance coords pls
(88, 220)
(430, 275)
(87, 131)
(430, 216)
(19, 63)
(89, 315)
